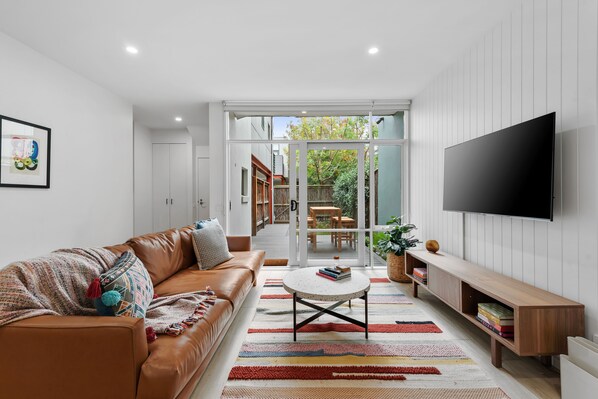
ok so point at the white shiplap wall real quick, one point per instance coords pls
(541, 58)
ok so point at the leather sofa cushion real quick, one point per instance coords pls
(232, 285)
(119, 249)
(161, 253)
(189, 258)
(173, 360)
(250, 260)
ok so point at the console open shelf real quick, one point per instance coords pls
(542, 320)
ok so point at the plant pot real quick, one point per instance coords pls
(395, 267)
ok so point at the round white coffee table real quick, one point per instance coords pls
(305, 284)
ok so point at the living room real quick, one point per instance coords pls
(148, 100)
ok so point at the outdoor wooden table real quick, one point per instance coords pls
(329, 211)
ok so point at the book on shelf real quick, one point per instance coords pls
(499, 327)
(503, 334)
(496, 310)
(420, 272)
(420, 280)
(496, 320)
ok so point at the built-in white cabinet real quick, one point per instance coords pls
(169, 178)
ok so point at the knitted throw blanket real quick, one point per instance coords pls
(56, 284)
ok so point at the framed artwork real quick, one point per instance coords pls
(24, 154)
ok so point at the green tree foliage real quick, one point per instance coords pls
(344, 193)
(325, 166)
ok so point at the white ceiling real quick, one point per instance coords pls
(194, 51)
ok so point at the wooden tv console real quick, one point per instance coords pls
(542, 320)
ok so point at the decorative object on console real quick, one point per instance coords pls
(432, 246)
(210, 245)
(124, 290)
(24, 154)
(394, 245)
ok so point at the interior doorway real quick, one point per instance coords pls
(202, 206)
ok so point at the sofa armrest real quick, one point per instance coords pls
(239, 243)
(72, 356)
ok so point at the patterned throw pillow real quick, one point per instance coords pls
(200, 224)
(127, 288)
(210, 245)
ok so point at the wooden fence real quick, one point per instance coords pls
(316, 196)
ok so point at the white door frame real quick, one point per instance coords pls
(303, 148)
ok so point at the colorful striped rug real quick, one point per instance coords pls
(406, 356)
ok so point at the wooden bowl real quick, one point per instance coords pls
(432, 246)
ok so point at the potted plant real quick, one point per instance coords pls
(394, 245)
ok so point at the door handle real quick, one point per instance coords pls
(294, 205)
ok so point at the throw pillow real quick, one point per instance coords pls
(200, 224)
(124, 290)
(210, 245)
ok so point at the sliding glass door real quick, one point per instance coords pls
(326, 181)
(328, 205)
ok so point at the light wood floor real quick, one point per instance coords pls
(520, 377)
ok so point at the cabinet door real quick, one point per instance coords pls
(179, 195)
(161, 186)
(446, 286)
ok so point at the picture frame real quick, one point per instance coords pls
(24, 154)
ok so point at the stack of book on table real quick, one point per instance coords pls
(497, 318)
(335, 272)
(420, 274)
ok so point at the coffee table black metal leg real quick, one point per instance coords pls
(294, 316)
(365, 296)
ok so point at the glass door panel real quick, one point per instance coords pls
(333, 186)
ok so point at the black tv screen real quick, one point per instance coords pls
(508, 172)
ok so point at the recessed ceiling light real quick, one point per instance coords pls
(178, 119)
(373, 50)
(304, 112)
(132, 50)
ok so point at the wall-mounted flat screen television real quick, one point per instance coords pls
(508, 172)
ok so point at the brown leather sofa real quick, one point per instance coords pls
(109, 357)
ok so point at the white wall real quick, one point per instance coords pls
(542, 58)
(90, 200)
(217, 163)
(142, 155)
(240, 157)
(263, 152)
